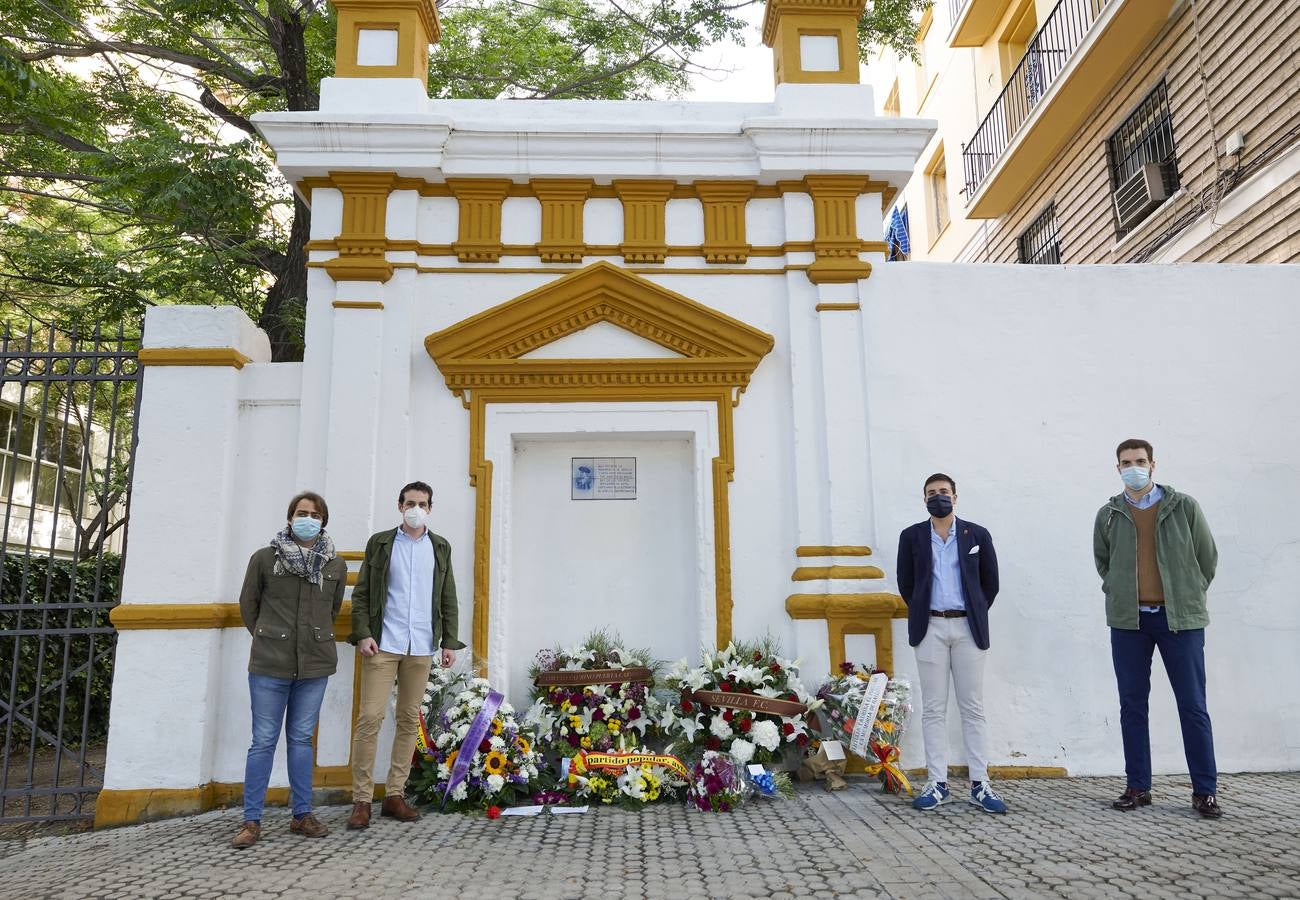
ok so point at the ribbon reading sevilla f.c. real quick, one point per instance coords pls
(576, 677)
(743, 700)
(477, 731)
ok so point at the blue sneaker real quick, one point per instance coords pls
(984, 797)
(936, 794)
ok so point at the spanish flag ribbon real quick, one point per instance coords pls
(617, 762)
(887, 767)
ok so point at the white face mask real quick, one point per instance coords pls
(414, 517)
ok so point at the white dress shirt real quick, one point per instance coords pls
(408, 608)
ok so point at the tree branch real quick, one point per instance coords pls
(265, 84)
(209, 101)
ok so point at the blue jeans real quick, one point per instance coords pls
(1183, 653)
(271, 699)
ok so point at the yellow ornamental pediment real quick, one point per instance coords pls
(491, 350)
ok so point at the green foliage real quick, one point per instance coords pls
(42, 660)
(890, 25)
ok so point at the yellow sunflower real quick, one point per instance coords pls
(494, 763)
(524, 747)
(496, 726)
(451, 759)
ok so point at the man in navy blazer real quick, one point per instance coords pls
(948, 576)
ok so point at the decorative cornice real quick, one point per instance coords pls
(357, 304)
(192, 356)
(563, 202)
(480, 199)
(841, 573)
(644, 202)
(724, 219)
(361, 240)
(826, 606)
(832, 550)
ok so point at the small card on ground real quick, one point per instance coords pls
(565, 810)
(833, 749)
(522, 810)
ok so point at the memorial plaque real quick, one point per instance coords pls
(602, 478)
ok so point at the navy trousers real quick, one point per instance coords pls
(1183, 653)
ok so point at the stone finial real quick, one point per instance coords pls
(813, 41)
(385, 38)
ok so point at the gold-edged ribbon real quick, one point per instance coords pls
(752, 702)
(583, 677)
(617, 762)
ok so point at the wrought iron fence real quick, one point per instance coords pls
(68, 410)
(1045, 57)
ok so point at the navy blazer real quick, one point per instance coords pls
(979, 577)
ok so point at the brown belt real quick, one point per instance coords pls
(948, 613)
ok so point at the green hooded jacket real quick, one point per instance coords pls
(1185, 555)
(371, 591)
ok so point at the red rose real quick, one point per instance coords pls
(714, 742)
(494, 812)
(484, 746)
(633, 714)
(775, 667)
(787, 728)
(727, 715)
(597, 715)
(745, 725)
(802, 740)
(757, 656)
(724, 687)
(686, 705)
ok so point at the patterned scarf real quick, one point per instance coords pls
(293, 559)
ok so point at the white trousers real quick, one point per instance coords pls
(949, 651)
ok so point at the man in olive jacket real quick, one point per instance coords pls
(403, 610)
(1156, 558)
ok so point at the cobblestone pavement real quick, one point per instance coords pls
(1060, 839)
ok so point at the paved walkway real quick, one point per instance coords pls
(1059, 840)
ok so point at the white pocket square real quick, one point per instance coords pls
(973, 550)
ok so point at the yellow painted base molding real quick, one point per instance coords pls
(131, 807)
(1003, 773)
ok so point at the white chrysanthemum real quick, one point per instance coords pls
(720, 728)
(461, 731)
(443, 739)
(497, 742)
(495, 783)
(765, 734)
(742, 751)
(460, 792)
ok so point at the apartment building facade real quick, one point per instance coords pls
(1102, 131)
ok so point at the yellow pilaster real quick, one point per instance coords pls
(361, 242)
(835, 237)
(724, 219)
(385, 38)
(480, 199)
(813, 41)
(644, 202)
(563, 201)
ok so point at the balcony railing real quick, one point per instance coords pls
(954, 11)
(1045, 57)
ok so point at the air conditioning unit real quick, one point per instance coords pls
(1143, 192)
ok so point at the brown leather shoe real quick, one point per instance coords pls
(360, 817)
(247, 835)
(1206, 805)
(308, 826)
(397, 808)
(1131, 799)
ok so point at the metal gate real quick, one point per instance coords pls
(68, 410)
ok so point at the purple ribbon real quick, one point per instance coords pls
(477, 729)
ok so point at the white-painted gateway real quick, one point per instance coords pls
(502, 292)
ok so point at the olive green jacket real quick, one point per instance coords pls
(371, 591)
(1185, 555)
(291, 619)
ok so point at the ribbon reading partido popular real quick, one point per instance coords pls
(867, 714)
(887, 764)
(578, 677)
(617, 762)
(423, 745)
(477, 730)
(742, 700)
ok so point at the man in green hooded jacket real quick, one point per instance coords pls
(1156, 558)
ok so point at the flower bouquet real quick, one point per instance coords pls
(629, 779)
(471, 753)
(716, 784)
(596, 695)
(744, 700)
(868, 711)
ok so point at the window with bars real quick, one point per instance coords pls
(1145, 138)
(1039, 244)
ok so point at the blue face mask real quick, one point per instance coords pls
(939, 505)
(1135, 477)
(305, 528)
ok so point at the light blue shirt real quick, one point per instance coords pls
(408, 609)
(1147, 500)
(945, 584)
